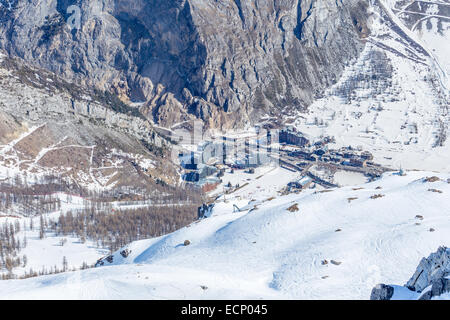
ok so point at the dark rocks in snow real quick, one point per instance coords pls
(99, 263)
(205, 210)
(125, 253)
(293, 208)
(426, 295)
(432, 179)
(186, 243)
(431, 279)
(440, 286)
(382, 292)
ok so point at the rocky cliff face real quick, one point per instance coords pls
(51, 128)
(228, 62)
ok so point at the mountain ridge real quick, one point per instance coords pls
(270, 56)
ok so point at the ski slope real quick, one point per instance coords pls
(275, 253)
(394, 100)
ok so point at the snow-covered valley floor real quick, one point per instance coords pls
(338, 245)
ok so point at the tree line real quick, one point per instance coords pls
(115, 229)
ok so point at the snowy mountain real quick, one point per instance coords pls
(333, 244)
(394, 99)
(94, 199)
(67, 149)
(168, 56)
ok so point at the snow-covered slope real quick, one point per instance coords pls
(338, 245)
(429, 21)
(394, 100)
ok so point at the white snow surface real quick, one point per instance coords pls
(397, 113)
(272, 253)
(49, 252)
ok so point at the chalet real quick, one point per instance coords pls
(302, 164)
(320, 152)
(355, 163)
(359, 162)
(302, 183)
(366, 155)
(348, 155)
(312, 157)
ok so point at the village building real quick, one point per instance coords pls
(302, 183)
(366, 155)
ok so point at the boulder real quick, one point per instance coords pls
(382, 292)
(125, 253)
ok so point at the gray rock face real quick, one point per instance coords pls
(228, 62)
(431, 279)
(382, 292)
(440, 286)
(432, 271)
(68, 131)
(204, 210)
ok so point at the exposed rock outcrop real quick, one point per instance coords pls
(432, 271)
(227, 62)
(382, 292)
(431, 279)
(205, 210)
(53, 128)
